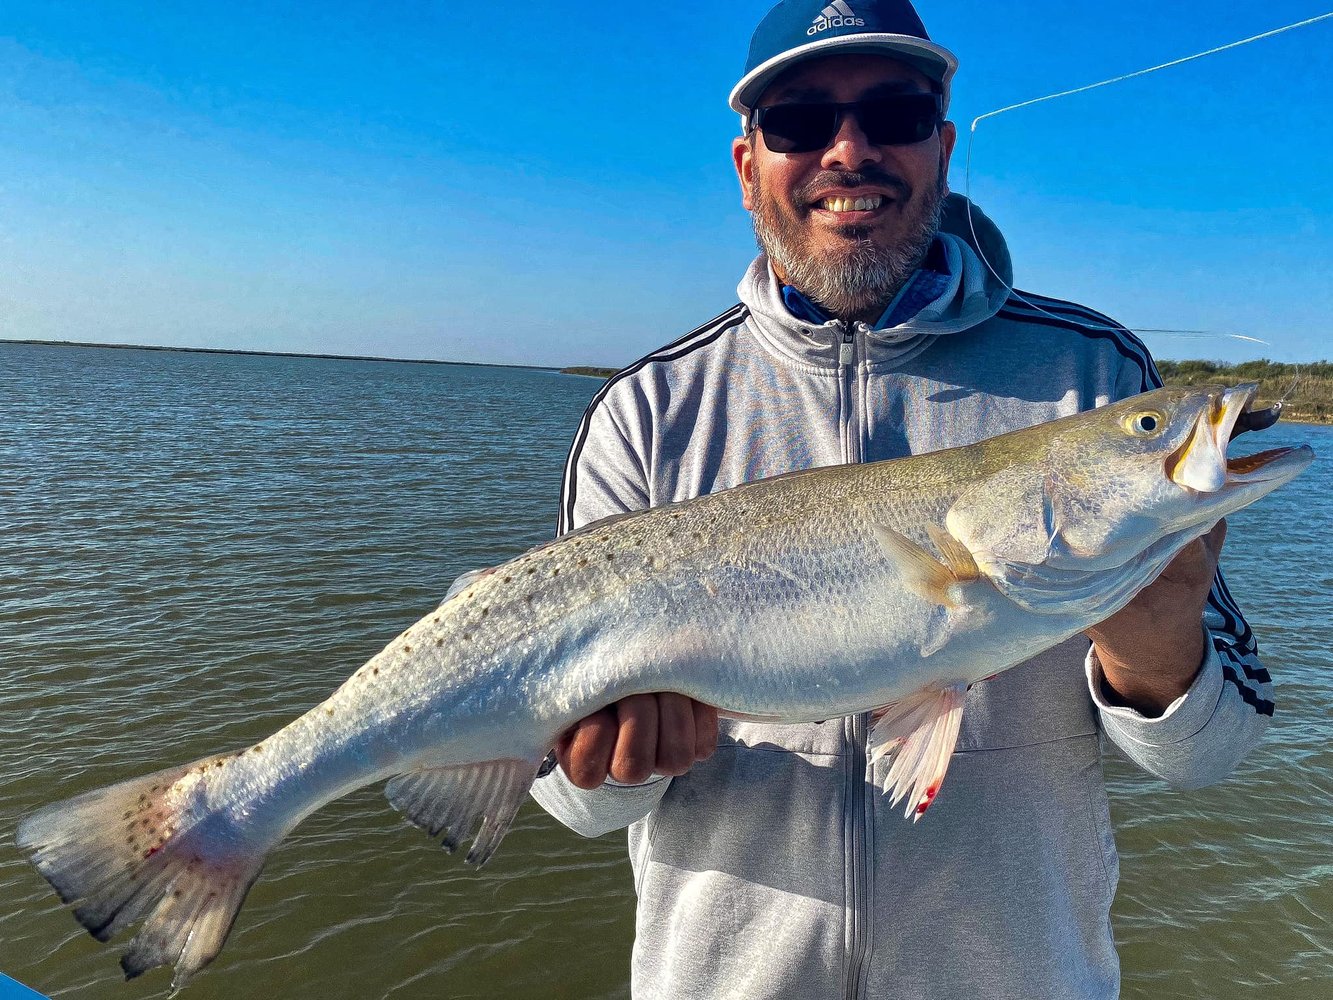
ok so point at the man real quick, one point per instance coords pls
(766, 862)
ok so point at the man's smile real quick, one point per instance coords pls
(845, 206)
(860, 203)
(843, 209)
(845, 203)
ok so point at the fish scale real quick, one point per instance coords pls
(887, 587)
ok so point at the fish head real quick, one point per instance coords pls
(1122, 487)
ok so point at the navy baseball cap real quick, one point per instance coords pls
(795, 30)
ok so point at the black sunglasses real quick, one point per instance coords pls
(894, 120)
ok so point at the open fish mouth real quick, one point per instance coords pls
(1201, 462)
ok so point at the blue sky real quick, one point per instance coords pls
(551, 184)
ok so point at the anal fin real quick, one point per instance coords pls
(452, 801)
(918, 733)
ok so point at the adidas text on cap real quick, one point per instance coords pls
(796, 30)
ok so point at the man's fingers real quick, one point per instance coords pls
(675, 734)
(705, 730)
(635, 754)
(585, 751)
(645, 733)
(1207, 553)
(1195, 565)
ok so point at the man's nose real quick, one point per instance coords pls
(850, 148)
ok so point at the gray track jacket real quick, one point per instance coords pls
(776, 869)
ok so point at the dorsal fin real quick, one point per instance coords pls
(466, 580)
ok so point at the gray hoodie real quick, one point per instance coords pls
(776, 868)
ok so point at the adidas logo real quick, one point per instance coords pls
(835, 15)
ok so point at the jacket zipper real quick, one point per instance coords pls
(857, 819)
(861, 867)
(846, 392)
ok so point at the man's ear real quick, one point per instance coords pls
(742, 154)
(948, 138)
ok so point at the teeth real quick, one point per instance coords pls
(839, 204)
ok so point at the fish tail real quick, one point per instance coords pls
(150, 849)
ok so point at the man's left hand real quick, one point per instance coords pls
(1151, 649)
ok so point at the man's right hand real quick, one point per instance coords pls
(636, 737)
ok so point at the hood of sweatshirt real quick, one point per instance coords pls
(975, 291)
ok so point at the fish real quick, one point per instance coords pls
(887, 587)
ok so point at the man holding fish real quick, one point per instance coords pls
(977, 488)
(879, 321)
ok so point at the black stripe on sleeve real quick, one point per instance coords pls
(1223, 595)
(1089, 318)
(1232, 621)
(699, 337)
(1261, 705)
(1259, 675)
(1044, 311)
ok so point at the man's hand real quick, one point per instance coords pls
(636, 737)
(1151, 649)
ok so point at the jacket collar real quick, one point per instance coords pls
(969, 294)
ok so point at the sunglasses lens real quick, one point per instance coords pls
(888, 121)
(798, 128)
(899, 120)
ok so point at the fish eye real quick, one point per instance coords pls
(1146, 423)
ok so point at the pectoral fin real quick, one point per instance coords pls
(939, 581)
(955, 554)
(926, 576)
(918, 734)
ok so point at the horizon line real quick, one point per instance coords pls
(275, 354)
(471, 364)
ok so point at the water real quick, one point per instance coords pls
(196, 548)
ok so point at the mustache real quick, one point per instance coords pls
(853, 179)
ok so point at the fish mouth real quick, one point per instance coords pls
(1201, 463)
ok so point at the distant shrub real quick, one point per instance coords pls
(1260, 369)
(1307, 389)
(1189, 370)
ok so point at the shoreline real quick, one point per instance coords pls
(276, 354)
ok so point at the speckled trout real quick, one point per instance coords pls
(887, 587)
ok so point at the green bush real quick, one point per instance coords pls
(1306, 390)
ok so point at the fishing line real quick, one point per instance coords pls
(971, 140)
(1291, 390)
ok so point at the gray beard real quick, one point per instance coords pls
(860, 285)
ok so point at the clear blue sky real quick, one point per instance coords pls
(550, 183)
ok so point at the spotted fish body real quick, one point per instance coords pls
(889, 586)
